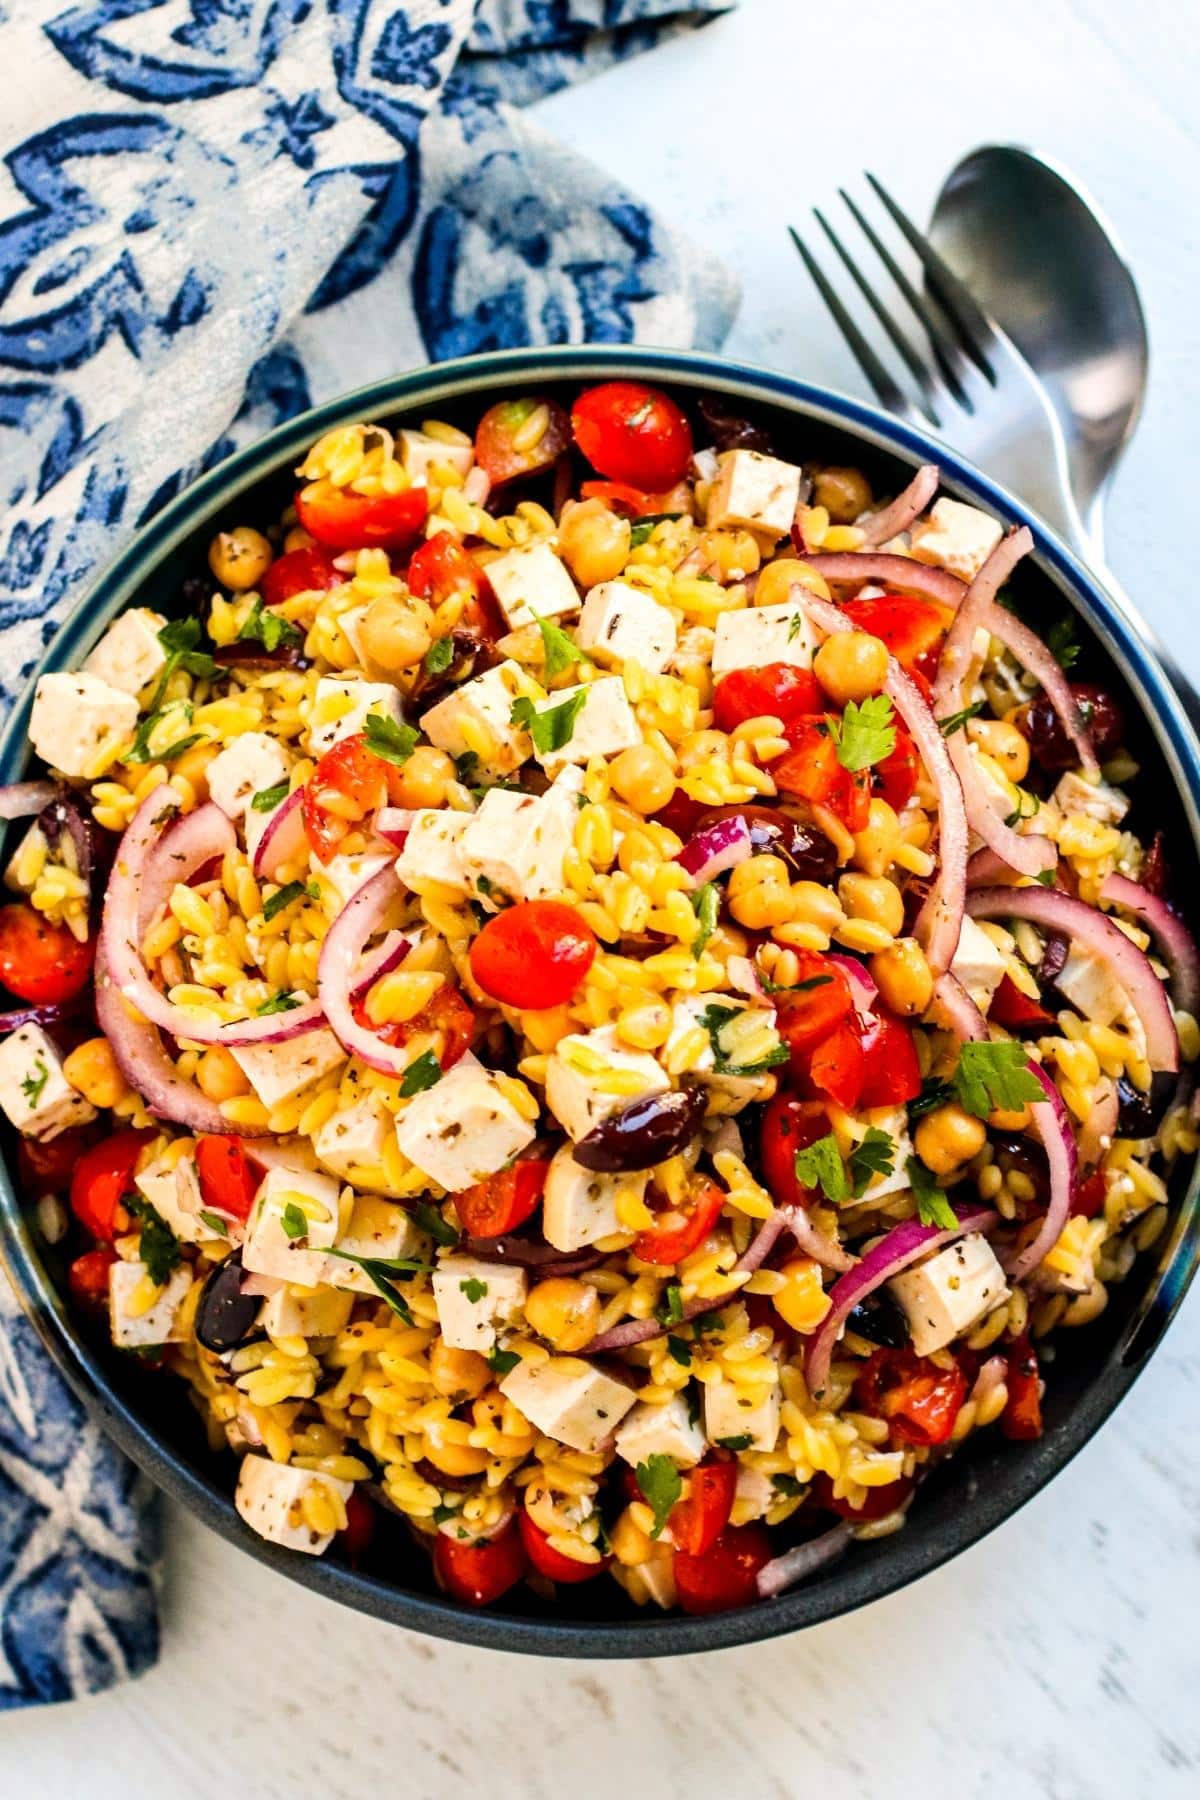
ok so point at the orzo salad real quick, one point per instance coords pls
(593, 989)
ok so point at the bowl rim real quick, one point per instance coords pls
(852, 1583)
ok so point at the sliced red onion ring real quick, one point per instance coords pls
(863, 988)
(718, 847)
(853, 567)
(1039, 661)
(795, 1565)
(362, 915)
(985, 869)
(284, 839)
(185, 845)
(903, 1245)
(22, 799)
(1172, 936)
(380, 962)
(641, 1331)
(394, 823)
(1057, 1139)
(1104, 939)
(814, 1243)
(904, 510)
(962, 1015)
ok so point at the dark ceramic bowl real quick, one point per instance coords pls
(150, 1417)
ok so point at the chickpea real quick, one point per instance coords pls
(92, 1071)
(593, 541)
(850, 665)
(903, 977)
(425, 777)
(240, 558)
(563, 1311)
(875, 846)
(1013, 1119)
(949, 1137)
(759, 894)
(873, 897)
(643, 777)
(844, 493)
(451, 1457)
(219, 1077)
(813, 904)
(801, 1303)
(776, 581)
(999, 739)
(458, 1374)
(395, 633)
(735, 553)
(701, 746)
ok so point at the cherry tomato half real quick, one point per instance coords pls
(502, 452)
(39, 961)
(633, 433)
(811, 769)
(502, 1202)
(228, 1179)
(895, 778)
(348, 772)
(676, 1234)
(912, 629)
(1016, 1011)
(447, 1013)
(1090, 1195)
(307, 571)
(478, 1570)
(835, 1067)
(819, 1001)
(534, 954)
(441, 567)
(698, 1520)
(777, 690)
(551, 1562)
(343, 520)
(789, 1125)
(47, 1168)
(891, 1074)
(1022, 1415)
(919, 1399)
(880, 1501)
(103, 1176)
(357, 1534)
(726, 1574)
(622, 498)
(87, 1277)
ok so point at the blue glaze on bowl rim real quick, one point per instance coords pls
(861, 1577)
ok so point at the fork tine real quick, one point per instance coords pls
(945, 349)
(913, 361)
(886, 391)
(969, 321)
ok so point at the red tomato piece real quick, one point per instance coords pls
(1022, 1415)
(533, 954)
(919, 1400)
(895, 778)
(891, 1073)
(497, 450)
(47, 1168)
(835, 1067)
(441, 567)
(619, 496)
(912, 629)
(39, 961)
(677, 1234)
(820, 1000)
(551, 1562)
(501, 1202)
(349, 772)
(103, 1176)
(479, 1570)
(698, 1520)
(228, 1178)
(777, 690)
(87, 1277)
(680, 814)
(633, 433)
(811, 769)
(789, 1125)
(726, 1574)
(307, 571)
(880, 1501)
(447, 1012)
(341, 519)
(356, 1535)
(1016, 1011)
(1090, 1195)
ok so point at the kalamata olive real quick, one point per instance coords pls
(728, 430)
(225, 1316)
(880, 1319)
(1054, 956)
(808, 851)
(1051, 746)
(1138, 1114)
(643, 1133)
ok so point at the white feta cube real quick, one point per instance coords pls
(956, 537)
(579, 1207)
(433, 850)
(129, 656)
(754, 636)
(279, 1072)
(351, 1142)
(603, 726)
(286, 1200)
(270, 1499)
(252, 763)
(36, 1096)
(476, 1301)
(134, 1327)
(306, 1312)
(733, 1421)
(350, 624)
(949, 1293)
(419, 454)
(1096, 799)
(977, 964)
(532, 581)
(172, 1186)
(755, 491)
(662, 1430)
(580, 1085)
(894, 1121)
(516, 843)
(568, 1399)
(342, 876)
(75, 718)
(620, 623)
(483, 706)
(1086, 984)
(464, 1128)
(378, 1230)
(341, 705)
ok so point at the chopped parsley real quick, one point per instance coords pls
(1062, 643)
(501, 1362)
(957, 720)
(33, 1085)
(284, 896)
(394, 743)
(795, 626)
(294, 1220)
(643, 528)
(714, 1019)
(742, 1441)
(179, 639)
(821, 1166)
(439, 656)
(933, 1208)
(473, 1288)
(158, 1246)
(270, 629)
(380, 1271)
(680, 1351)
(661, 1487)
(216, 1224)
(550, 727)
(876, 1155)
(993, 1077)
(669, 1310)
(279, 1003)
(424, 1073)
(144, 750)
(430, 1218)
(934, 1093)
(466, 765)
(267, 799)
(560, 651)
(866, 734)
(706, 904)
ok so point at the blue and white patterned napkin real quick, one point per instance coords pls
(214, 214)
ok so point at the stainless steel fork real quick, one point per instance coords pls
(959, 374)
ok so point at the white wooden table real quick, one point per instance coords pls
(1058, 1658)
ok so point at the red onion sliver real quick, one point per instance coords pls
(1102, 938)
(904, 510)
(795, 1565)
(22, 799)
(1057, 1139)
(718, 847)
(962, 1015)
(986, 869)
(380, 962)
(46, 1016)
(824, 1250)
(394, 823)
(1176, 942)
(853, 567)
(184, 846)
(363, 914)
(284, 840)
(863, 988)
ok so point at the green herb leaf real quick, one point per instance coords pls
(642, 529)
(714, 1019)
(394, 743)
(473, 1288)
(957, 720)
(670, 1308)
(442, 1514)
(439, 656)
(795, 987)
(179, 638)
(279, 1003)
(424, 1073)
(821, 1166)
(267, 799)
(933, 1208)
(294, 1221)
(270, 629)
(1026, 806)
(706, 904)
(867, 733)
(560, 651)
(550, 727)
(876, 1155)
(680, 1351)
(430, 1218)
(158, 1246)
(33, 1085)
(403, 1266)
(995, 1076)
(933, 1093)
(1062, 643)
(501, 1362)
(787, 1485)
(795, 626)
(661, 1487)
(742, 1441)
(143, 751)
(284, 896)
(466, 765)
(216, 1224)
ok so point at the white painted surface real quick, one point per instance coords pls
(1058, 1658)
